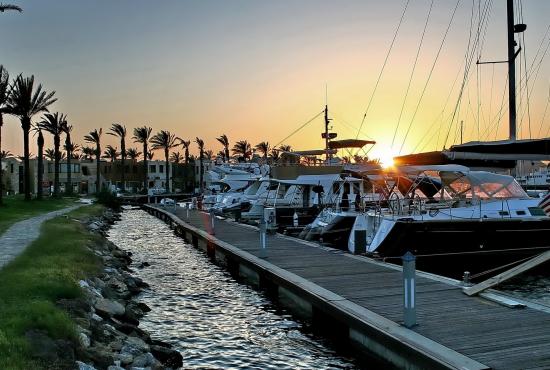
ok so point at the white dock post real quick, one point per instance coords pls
(187, 206)
(212, 217)
(263, 238)
(409, 285)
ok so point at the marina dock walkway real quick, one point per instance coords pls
(453, 331)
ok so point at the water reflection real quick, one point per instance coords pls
(214, 321)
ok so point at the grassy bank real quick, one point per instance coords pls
(48, 270)
(15, 209)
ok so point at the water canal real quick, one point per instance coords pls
(214, 321)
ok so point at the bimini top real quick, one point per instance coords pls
(415, 170)
(349, 143)
(310, 179)
(481, 184)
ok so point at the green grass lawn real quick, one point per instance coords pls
(48, 270)
(15, 209)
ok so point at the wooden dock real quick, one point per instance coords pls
(365, 298)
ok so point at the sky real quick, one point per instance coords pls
(257, 70)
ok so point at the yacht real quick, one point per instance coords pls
(450, 213)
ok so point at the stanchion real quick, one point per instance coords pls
(212, 217)
(409, 285)
(263, 238)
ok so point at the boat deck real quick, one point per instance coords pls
(490, 334)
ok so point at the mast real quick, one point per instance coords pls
(511, 69)
(326, 134)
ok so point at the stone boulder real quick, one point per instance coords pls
(108, 308)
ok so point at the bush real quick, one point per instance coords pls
(108, 199)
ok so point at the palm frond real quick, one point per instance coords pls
(4, 7)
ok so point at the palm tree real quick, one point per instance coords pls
(285, 148)
(73, 149)
(176, 157)
(25, 102)
(88, 152)
(263, 148)
(5, 154)
(4, 7)
(150, 155)
(94, 137)
(142, 135)
(4, 94)
(40, 169)
(200, 143)
(209, 154)
(224, 140)
(242, 148)
(54, 124)
(166, 141)
(120, 131)
(133, 153)
(185, 144)
(110, 153)
(275, 154)
(69, 148)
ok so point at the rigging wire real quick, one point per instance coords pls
(430, 74)
(383, 67)
(412, 73)
(544, 114)
(299, 128)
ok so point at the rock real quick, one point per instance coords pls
(84, 340)
(115, 367)
(107, 308)
(142, 306)
(100, 355)
(143, 265)
(143, 360)
(96, 318)
(83, 366)
(135, 346)
(125, 358)
(167, 356)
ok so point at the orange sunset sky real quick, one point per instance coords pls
(257, 70)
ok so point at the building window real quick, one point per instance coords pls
(152, 168)
(161, 168)
(11, 167)
(85, 171)
(135, 169)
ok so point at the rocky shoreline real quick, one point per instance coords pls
(108, 316)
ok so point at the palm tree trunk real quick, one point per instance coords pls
(40, 175)
(167, 172)
(69, 186)
(200, 172)
(26, 126)
(145, 169)
(123, 155)
(56, 166)
(1, 183)
(97, 179)
(227, 154)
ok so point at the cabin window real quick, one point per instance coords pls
(503, 213)
(536, 211)
(520, 213)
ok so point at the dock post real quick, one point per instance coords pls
(360, 242)
(409, 285)
(263, 238)
(187, 205)
(212, 217)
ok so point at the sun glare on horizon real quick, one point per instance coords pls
(386, 157)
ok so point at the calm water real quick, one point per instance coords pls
(531, 286)
(211, 319)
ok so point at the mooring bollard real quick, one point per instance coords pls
(263, 238)
(188, 205)
(212, 217)
(409, 285)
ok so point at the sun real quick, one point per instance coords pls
(386, 157)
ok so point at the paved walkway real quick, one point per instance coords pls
(21, 234)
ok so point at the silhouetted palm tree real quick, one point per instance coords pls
(209, 154)
(142, 135)
(69, 148)
(185, 144)
(40, 164)
(242, 148)
(94, 137)
(263, 148)
(165, 140)
(275, 154)
(4, 7)
(111, 153)
(119, 131)
(176, 157)
(200, 143)
(285, 148)
(133, 153)
(224, 140)
(25, 102)
(150, 155)
(5, 154)
(74, 149)
(54, 124)
(4, 94)
(50, 155)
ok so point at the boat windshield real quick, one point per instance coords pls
(482, 185)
